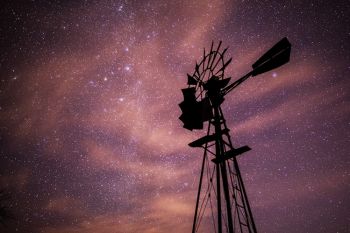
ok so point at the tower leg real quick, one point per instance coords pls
(218, 193)
(219, 148)
(227, 197)
(250, 219)
(198, 194)
(236, 217)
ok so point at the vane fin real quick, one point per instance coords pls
(275, 57)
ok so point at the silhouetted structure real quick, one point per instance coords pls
(207, 87)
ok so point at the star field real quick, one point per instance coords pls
(89, 130)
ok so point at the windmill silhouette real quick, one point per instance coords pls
(221, 187)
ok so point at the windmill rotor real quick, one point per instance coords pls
(207, 76)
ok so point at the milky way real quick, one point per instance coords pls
(90, 136)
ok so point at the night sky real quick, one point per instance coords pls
(89, 130)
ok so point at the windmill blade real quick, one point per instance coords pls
(224, 66)
(277, 56)
(191, 80)
(197, 71)
(204, 59)
(215, 54)
(223, 52)
(211, 47)
(210, 53)
(217, 62)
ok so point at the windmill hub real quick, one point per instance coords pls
(213, 87)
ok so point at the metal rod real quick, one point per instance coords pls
(239, 177)
(198, 194)
(242, 191)
(217, 51)
(200, 183)
(218, 198)
(219, 153)
(227, 196)
(235, 84)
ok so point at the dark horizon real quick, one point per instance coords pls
(89, 129)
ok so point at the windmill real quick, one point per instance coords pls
(221, 187)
